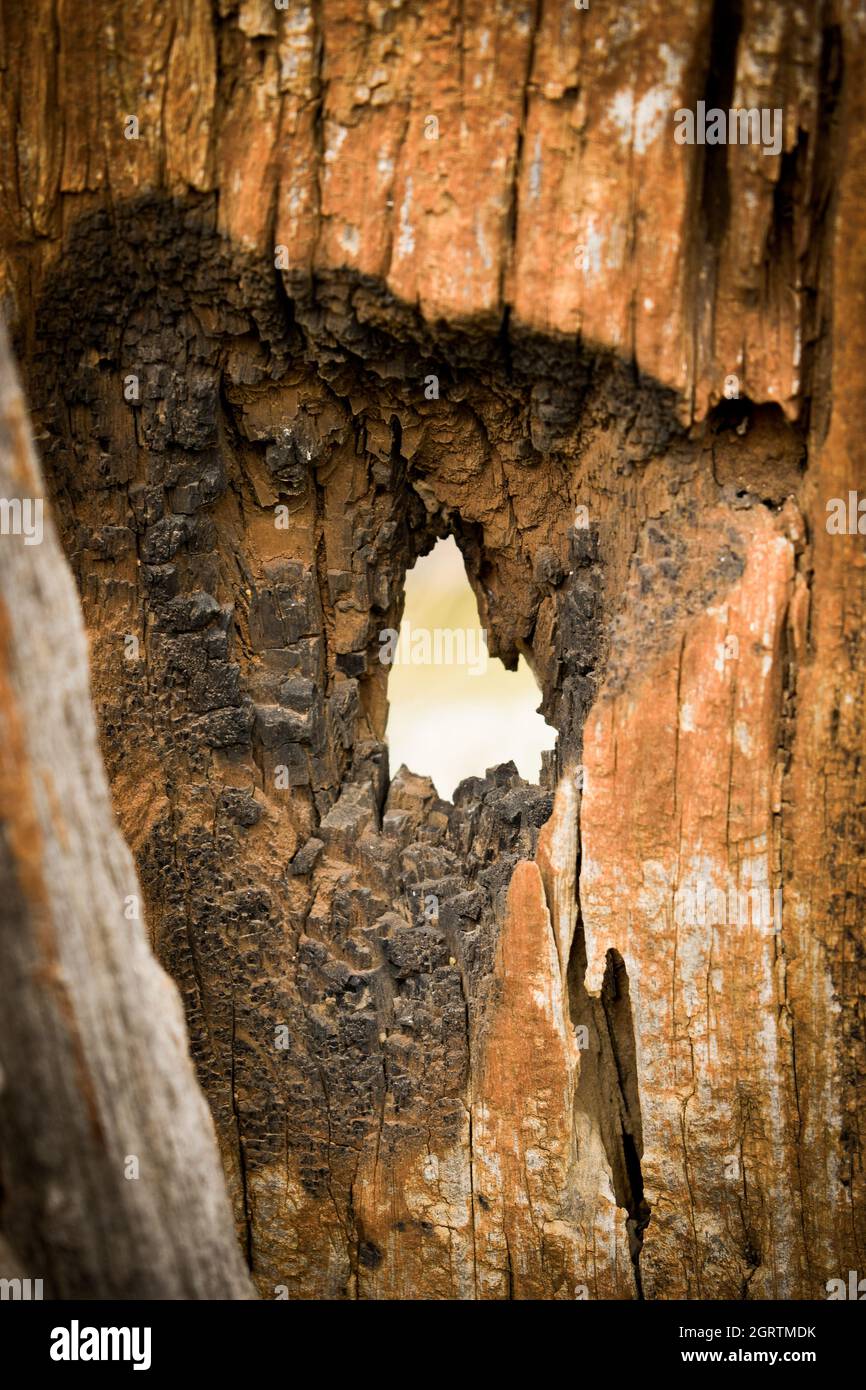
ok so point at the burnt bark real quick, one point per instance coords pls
(109, 1173)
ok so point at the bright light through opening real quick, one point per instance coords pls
(454, 711)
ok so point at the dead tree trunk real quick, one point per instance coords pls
(297, 292)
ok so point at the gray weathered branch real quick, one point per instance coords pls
(111, 1180)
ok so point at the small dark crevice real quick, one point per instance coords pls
(725, 30)
(710, 199)
(318, 117)
(510, 1269)
(780, 259)
(752, 1256)
(242, 1157)
(817, 270)
(628, 1177)
(608, 1086)
(521, 136)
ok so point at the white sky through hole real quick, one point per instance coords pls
(444, 721)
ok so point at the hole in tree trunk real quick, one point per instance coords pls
(454, 710)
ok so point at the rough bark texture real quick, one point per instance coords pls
(111, 1184)
(406, 1104)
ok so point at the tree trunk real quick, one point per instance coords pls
(111, 1185)
(295, 293)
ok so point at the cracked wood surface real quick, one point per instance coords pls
(554, 191)
(554, 1087)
